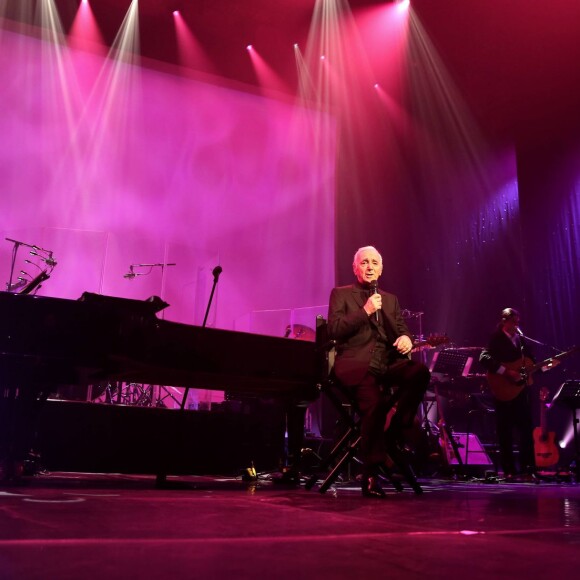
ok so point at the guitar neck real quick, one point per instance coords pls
(547, 362)
(543, 424)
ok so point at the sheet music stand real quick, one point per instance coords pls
(448, 364)
(451, 363)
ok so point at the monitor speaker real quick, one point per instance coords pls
(471, 451)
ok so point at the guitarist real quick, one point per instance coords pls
(508, 345)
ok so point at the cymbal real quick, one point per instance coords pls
(301, 332)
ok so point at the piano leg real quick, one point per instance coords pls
(295, 414)
(19, 409)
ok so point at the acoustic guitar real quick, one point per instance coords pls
(545, 448)
(504, 389)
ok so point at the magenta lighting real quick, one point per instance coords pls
(249, 47)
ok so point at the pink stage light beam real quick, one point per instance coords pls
(84, 33)
(266, 75)
(191, 53)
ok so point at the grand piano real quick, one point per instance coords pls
(48, 342)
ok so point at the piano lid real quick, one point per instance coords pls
(152, 305)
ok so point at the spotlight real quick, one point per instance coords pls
(175, 7)
(377, 85)
(249, 47)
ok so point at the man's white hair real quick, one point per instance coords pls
(364, 249)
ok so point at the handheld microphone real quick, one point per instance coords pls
(374, 290)
(216, 272)
(519, 331)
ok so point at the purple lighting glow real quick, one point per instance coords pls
(193, 174)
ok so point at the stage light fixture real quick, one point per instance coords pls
(249, 47)
(175, 6)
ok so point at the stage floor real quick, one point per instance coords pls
(72, 525)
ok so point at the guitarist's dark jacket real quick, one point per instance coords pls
(502, 350)
(357, 333)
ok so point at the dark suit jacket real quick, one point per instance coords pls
(356, 332)
(501, 349)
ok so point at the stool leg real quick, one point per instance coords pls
(331, 477)
(384, 472)
(336, 450)
(403, 465)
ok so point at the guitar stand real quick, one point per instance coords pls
(448, 432)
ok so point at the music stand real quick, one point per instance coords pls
(446, 364)
(451, 363)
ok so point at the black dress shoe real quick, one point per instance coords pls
(371, 487)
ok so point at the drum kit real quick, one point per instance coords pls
(300, 332)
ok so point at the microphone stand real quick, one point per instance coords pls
(43, 255)
(17, 244)
(131, 274)
(216, 274)
(558, 350)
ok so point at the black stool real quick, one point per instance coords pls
(341, 398)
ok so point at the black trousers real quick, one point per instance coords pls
(411, 378)
(515, 416)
